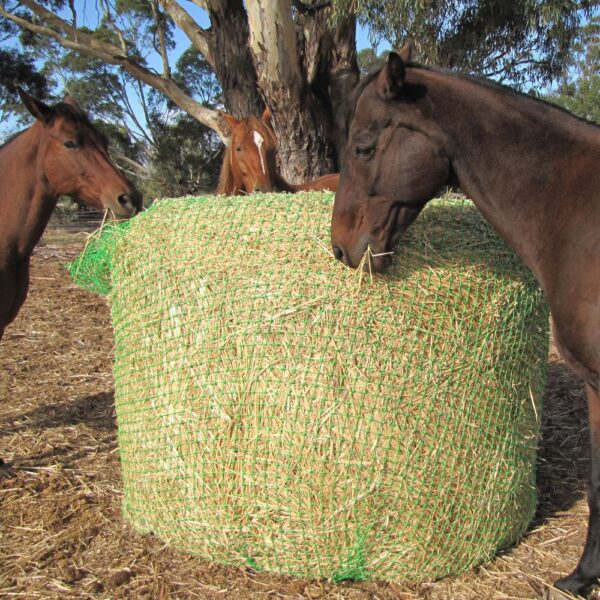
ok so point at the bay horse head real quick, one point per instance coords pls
(62, 153)
(249, 164)
(394, 162)
(73, 155)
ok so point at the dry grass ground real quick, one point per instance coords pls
(61, 531)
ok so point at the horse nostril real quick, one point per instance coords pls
(132, 203)
(338, 252)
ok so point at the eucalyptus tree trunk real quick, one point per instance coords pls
(344, 75)
(231, 58)
(301, 73)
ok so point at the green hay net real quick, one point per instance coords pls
(278, 410)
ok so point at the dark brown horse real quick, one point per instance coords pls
(62, 153)
(250, 161)
(531, 168)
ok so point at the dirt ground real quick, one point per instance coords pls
(61, 530)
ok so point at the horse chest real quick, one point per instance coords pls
(576, 324)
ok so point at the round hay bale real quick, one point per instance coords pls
(278, 410)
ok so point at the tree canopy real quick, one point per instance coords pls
(299, 57)
(17, 68)
(579, 89)
(516, 41)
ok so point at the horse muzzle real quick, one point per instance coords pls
(131, 203)
(370, 259)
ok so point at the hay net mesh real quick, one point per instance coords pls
(280, 411)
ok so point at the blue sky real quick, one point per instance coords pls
(88, 15)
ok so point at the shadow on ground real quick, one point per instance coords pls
(564, 451)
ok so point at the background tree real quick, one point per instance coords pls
(579, 89)
(367, 59)
(178, 167)
(17, 68)
(516, 41)
(162, 148)
(299, 57)
(186, 154)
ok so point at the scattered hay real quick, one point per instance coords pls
(280, 411)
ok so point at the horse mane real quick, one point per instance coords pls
(495, 85)
(225, 185)
(476, 79)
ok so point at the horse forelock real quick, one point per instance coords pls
(263, 136)
(79, 118)
(259, 126)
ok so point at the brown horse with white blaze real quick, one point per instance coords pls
(62, 153)
(250, 161)
(531, 168)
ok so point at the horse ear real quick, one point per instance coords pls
(267, 114)
(68, 99)
(391, 77)
(42, 112)
(229, 119)
(406, 52)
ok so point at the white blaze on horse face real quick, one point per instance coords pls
(259, 141)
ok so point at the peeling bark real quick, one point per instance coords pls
(232, 60)
(300, 71)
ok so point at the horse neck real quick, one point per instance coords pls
(524, 163)
(226, 183)
(283, 185)
(26, 202)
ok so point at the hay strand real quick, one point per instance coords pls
(280, 411)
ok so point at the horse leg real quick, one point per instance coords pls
(587, 572)
(15, 284)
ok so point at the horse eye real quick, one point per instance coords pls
(238, 149)
(363, 151)
(71, 145)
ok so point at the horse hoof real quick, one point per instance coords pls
(556, 594)
(571, 586)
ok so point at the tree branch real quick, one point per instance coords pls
(142, 100)
(108, 16)
(310, 8)
(73, 12)
(140, 169)
(79, 41)
(201, 3)
(188, 25)
(161, 40)
(144, 132)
